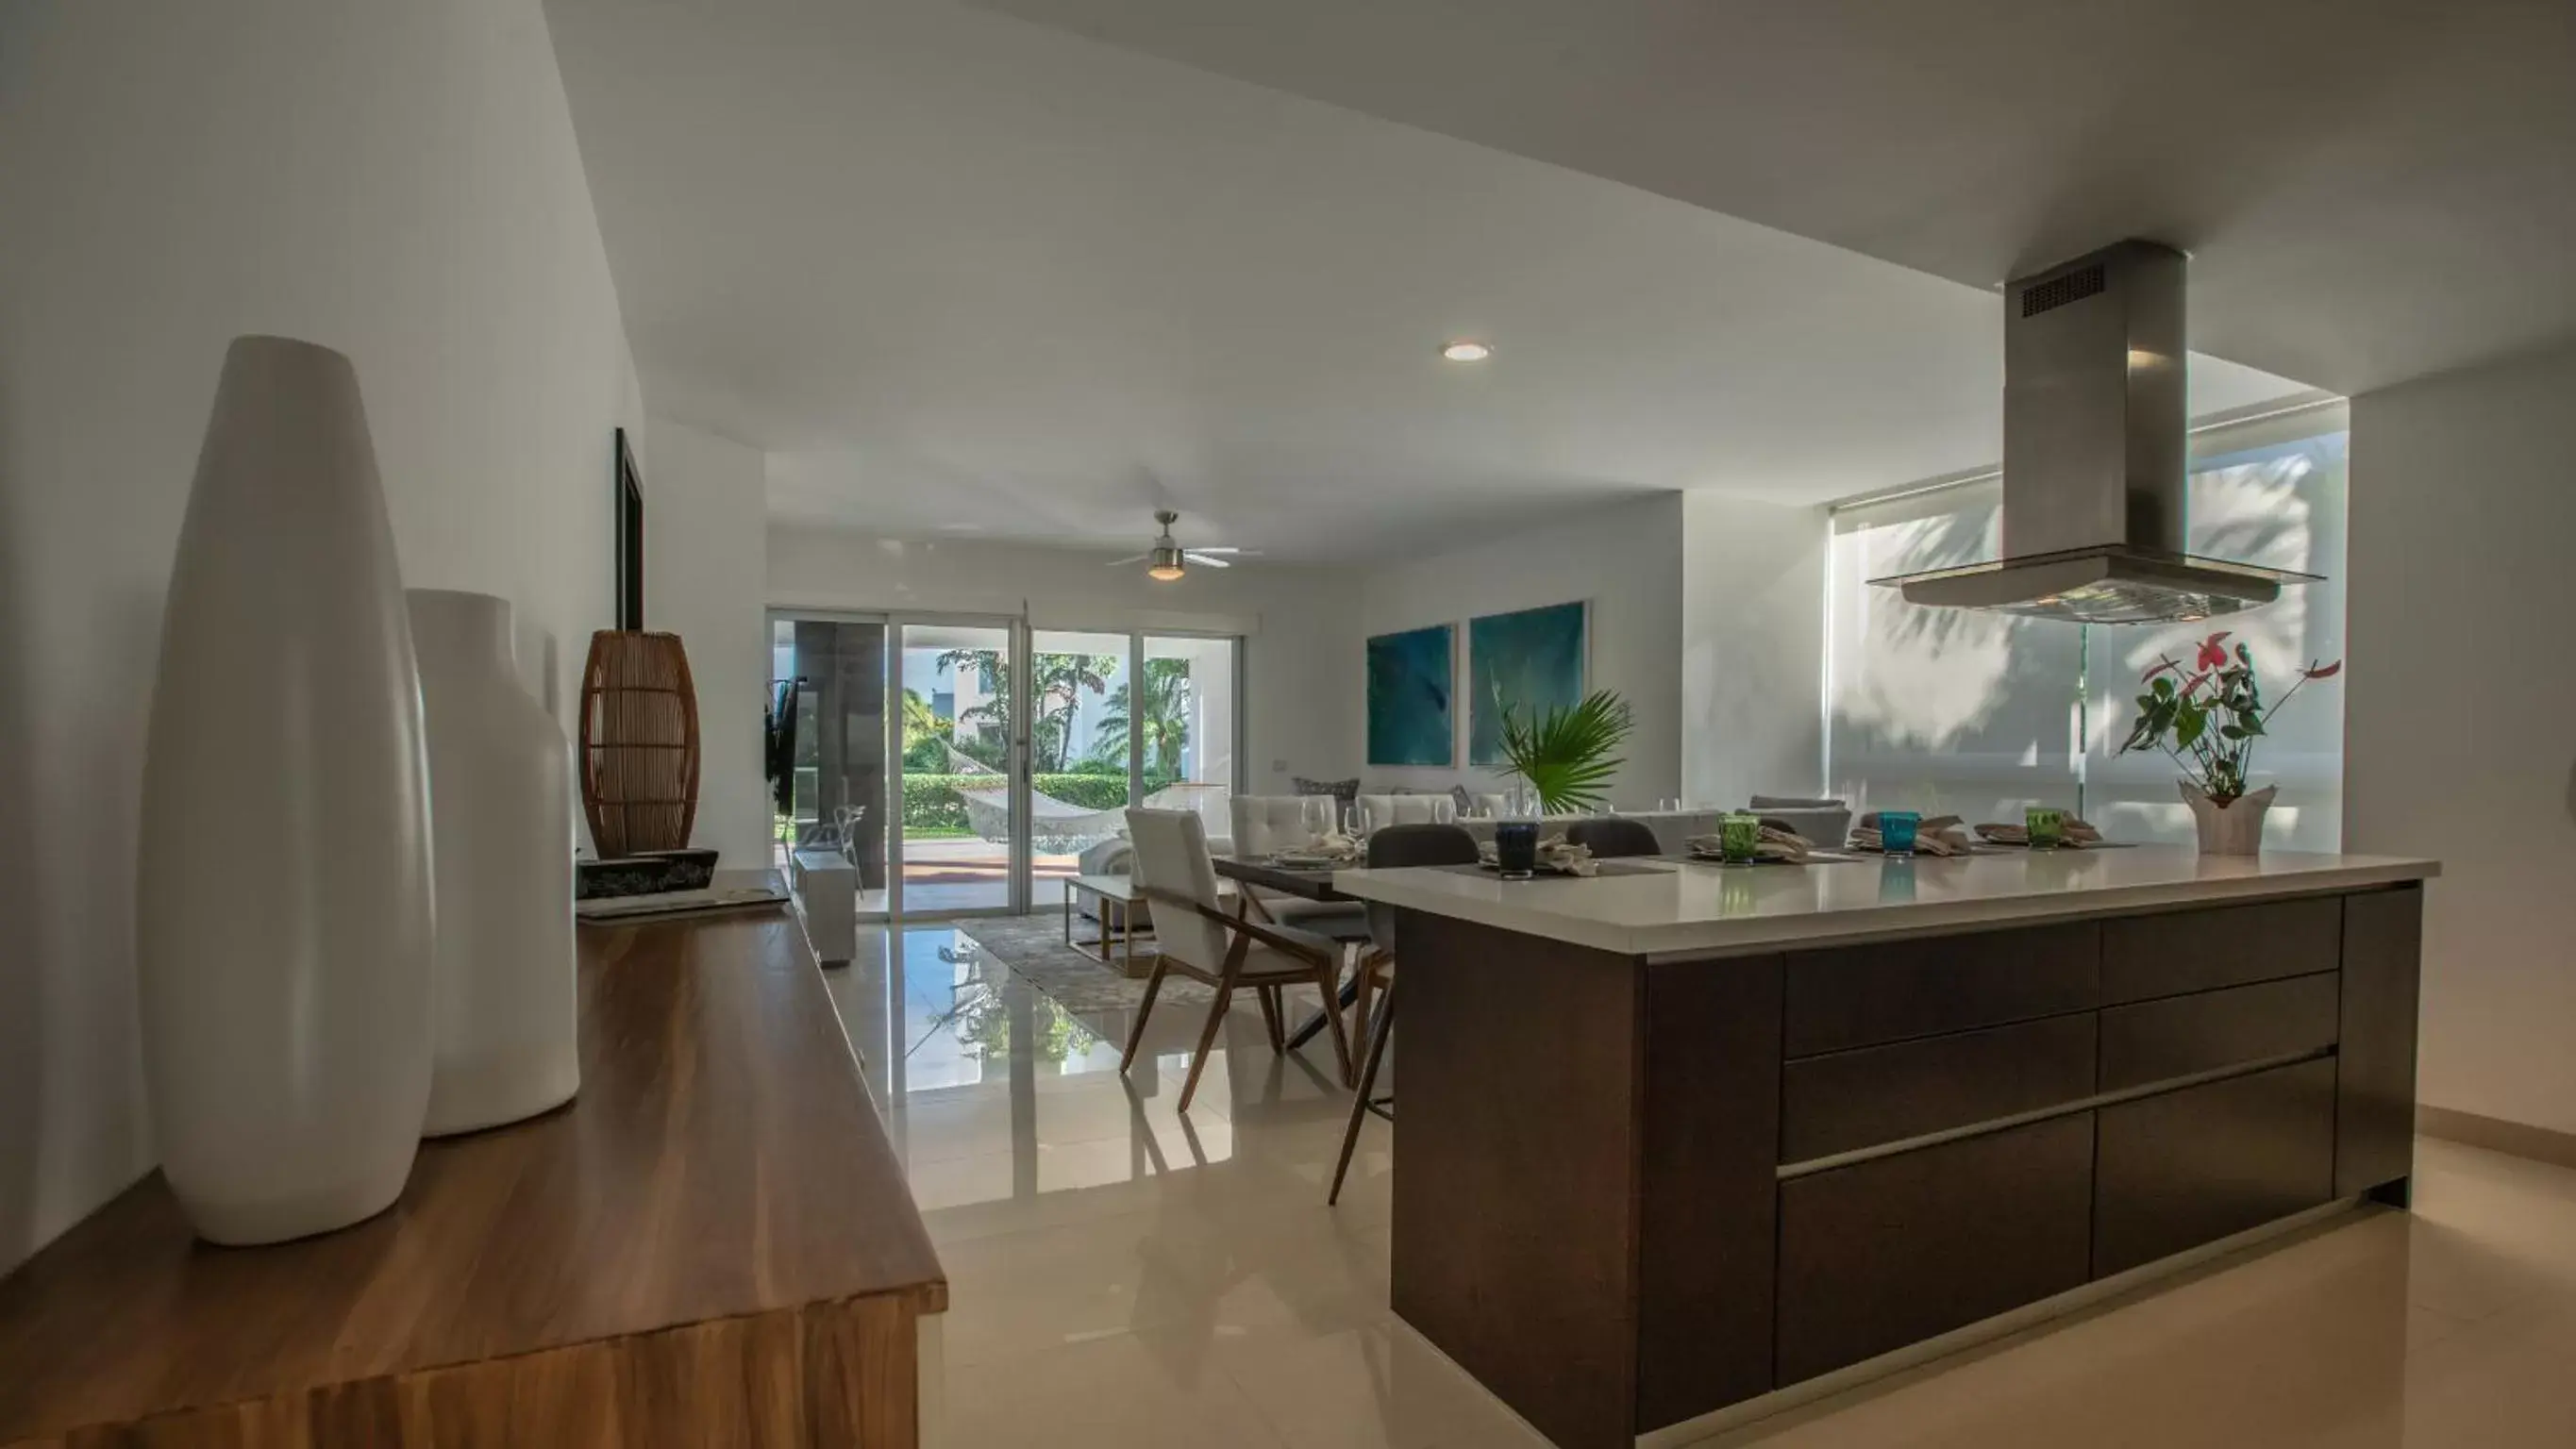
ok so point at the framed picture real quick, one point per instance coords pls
(1531, 660)
(1412, 675)
(630, 537)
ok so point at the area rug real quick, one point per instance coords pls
(1033, 947)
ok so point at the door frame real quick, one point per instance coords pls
(1020, 631)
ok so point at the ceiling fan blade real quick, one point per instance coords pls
(1118, 563)
(1213, 548)
(1196, 557)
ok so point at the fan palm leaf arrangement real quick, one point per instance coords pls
(1568, 754)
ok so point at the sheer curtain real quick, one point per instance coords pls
(1945, 711)
(1955, 712)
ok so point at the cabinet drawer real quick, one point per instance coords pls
(1855, 996)
(1880, 1254)
(2150, 956)
(1881, 1094)
(2179, 1035)
(2191, 1167)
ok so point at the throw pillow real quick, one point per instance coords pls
(1344, 792)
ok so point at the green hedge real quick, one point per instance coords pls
(931, 802)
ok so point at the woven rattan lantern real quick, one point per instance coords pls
(639, 742)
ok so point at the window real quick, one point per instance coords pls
(1955, 712)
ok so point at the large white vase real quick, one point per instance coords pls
(500, 796)
(283, 886)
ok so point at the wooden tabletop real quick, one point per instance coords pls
(722, 1159)
(1313, 884)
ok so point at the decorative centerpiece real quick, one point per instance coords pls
(639, 743)
(2208, 724)
(1568, 755)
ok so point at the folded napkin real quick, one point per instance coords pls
(1777, 843)
(1555, 853)
(1334, 847)
(2077, 833)
(1939, 835)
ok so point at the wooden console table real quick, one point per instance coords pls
(712, 1244)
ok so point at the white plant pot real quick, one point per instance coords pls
(283, 878)
(500, 793)
(2235, 828)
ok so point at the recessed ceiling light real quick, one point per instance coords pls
(1466, 352)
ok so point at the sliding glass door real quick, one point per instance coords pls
(957, 841)
(1186, 727)
(912, 754)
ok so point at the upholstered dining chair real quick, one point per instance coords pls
(1197, 939)
(1268, 824)
(1397, 845)
(1611, 836)
(1386, 810)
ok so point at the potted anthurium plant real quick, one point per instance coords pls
(2208, 718)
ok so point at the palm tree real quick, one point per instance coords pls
(1166, 715)
(1056, 679)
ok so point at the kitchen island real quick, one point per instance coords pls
(1673, 1141)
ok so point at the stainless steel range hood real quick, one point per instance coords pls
(2095, 457)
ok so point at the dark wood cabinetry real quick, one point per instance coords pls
(2168, 955)
(1758, 1168)
(1877, 1095)
(1883, 1253)
(2383, 936)
(2207, 1031)
(1855, 996)
(2193, 1166)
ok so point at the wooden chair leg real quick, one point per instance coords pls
(1269, 997)
(1328, 983)
(1362, 989)
(1144, 1009)
(1368, 1083)
(1207, 1040)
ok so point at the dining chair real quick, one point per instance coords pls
(1611, 836)
(1268, 824)
(1397, 845)
(1197, 939)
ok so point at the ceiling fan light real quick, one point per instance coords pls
(1167, 564)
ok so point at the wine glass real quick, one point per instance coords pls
(1444, 810)
(1315, 813)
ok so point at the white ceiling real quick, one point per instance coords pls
(2371, 189)
(960, 274)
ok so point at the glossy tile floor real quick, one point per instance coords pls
(1123, 1276)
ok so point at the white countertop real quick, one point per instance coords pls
(1690, 908)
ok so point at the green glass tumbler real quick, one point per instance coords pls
(1741, 837)
(2047, 827)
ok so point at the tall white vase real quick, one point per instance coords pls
(283, 886)
(500, 794)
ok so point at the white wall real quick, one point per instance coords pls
(1625, 561)
(2460, 717)
(396, 181)
(1753, 649)
(1301, 686)
(706, 579)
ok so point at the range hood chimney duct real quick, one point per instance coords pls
(2096, 464)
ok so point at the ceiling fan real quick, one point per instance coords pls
(1167, 560)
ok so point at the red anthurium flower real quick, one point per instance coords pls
(2211, 655)
(2159, 669)
(2323, 671)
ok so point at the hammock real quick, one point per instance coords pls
(1055, 826)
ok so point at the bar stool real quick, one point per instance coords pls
(1611, 836)
(1395, 845)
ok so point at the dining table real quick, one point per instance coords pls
(1311, 883)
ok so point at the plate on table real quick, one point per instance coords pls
(1307, 860)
